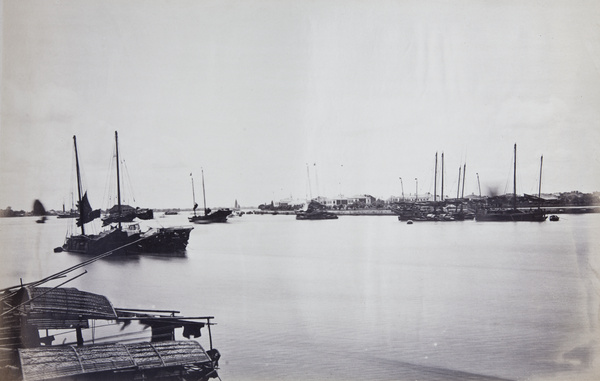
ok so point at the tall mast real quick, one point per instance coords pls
(316, 181)
(540, 186)
(204, 193)
(435, 181)
(402, 185)
(193, 194)
(416, 189)
(308, 177)
(442, 192)
(463, 184)
(458, 188)
(478, 184)
(515, 179)
(118, 177)
(79, 204)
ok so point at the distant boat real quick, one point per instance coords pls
(513, 214)
(315, 211)
(128, 240)
(69, 214)
(411, 212)
(51, 333)
(554, 217)
(126, 213)
(209, 216)
(39, 210)
(432, 210)
(72, 213)
(236, 212)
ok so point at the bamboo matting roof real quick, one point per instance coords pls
(65, 361)
(56, 308)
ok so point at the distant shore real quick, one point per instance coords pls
(387, 212)
(372, 212)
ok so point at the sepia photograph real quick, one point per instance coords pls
(286, 190)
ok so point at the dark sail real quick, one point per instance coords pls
(86, 212)
(38, 208)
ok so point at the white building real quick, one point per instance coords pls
(411, 198)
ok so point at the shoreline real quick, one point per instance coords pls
(388, 212)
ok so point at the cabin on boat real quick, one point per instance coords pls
(33, 320)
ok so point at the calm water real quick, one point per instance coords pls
(361, 297)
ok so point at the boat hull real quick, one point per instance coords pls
(98, 243)
(316, 216)
(163, 240)
(512, 215)
(166, 240)
(214, 216)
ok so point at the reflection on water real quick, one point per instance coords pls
(585, 348)
(361, 297)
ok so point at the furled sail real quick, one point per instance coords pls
(126, 213)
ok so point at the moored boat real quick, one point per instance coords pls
(57, 333)
(532, 215)
(126, 213)
(209, 216)
(442, 210)
(125, 239)
(69, 214)
(513, 214)
(315, 211)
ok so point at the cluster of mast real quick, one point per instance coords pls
(459, 193)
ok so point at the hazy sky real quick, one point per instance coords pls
(364, 92)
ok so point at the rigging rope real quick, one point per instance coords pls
(72, 268)
(128, 182)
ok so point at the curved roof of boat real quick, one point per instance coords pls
(54, 305)
(67, 361)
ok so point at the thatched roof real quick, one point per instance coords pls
(57, 308)
(66, 361)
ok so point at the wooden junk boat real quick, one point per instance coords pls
(130, 238)
(315, 211)
(54, 333)
(515, 214)
(209, 216)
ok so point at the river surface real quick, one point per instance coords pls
(361, 297)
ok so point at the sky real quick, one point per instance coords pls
(279, 99)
